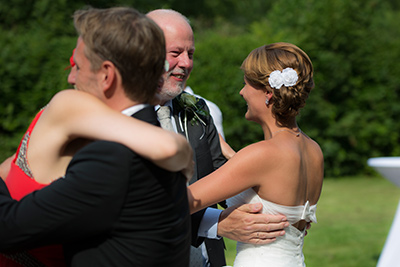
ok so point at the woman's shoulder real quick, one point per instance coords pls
(71, 97)
(264, 152)
(68, 106)
(71, 101)
(314, 148)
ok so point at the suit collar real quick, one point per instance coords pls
(131, 110)
(147, 114)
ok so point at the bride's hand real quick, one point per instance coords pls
(226, 149)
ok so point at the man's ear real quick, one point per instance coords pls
(108, 76)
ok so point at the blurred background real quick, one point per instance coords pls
(353, 112)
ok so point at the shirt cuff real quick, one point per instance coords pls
(209, 224)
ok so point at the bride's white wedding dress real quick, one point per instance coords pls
(287, 250)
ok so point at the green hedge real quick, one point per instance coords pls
(352, 113)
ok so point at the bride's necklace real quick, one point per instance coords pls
(297, 134)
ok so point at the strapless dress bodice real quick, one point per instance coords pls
(287, 250)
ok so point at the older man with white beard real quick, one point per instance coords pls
(190, 116)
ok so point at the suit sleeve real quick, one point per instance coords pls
(218, 160)
(83, 204)
(3, 189)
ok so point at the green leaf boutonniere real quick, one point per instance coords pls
(192, 108)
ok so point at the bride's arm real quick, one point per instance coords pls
(79, 114)
(238, 174)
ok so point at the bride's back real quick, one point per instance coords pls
(296, 175)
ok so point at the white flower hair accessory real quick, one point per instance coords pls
(287, 77)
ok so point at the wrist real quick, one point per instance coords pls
(221, 230)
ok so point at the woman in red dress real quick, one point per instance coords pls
(70, 120)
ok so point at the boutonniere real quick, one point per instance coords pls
(192, 108)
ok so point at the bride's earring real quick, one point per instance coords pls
(266, 102)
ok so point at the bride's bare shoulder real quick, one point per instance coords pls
(262, 150)
(314, 150)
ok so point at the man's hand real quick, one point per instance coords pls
(245, 224)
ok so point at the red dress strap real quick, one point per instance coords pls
(19, 185)
(18, 182)
(29, 131)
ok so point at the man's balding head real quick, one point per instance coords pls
(179, 47)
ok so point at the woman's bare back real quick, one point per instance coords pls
(296, 173)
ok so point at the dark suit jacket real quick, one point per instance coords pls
(203, 137)
(113, 208)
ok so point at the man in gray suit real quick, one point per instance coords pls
(190, 117)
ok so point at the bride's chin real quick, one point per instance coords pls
(247, 116)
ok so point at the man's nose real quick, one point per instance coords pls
(71, 77)
(184, 60)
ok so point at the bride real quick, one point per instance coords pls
(285, 170)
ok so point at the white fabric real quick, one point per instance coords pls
(287, 250)
(132, 110)
(390, 254)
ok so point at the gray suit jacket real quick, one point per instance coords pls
(203, 137)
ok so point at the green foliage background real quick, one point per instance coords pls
(353, 112)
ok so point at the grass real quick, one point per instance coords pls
(354, 217)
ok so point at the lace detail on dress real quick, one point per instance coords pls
(22, 160)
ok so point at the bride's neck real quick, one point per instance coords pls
(270, 128)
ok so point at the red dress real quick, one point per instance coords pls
(20, 182)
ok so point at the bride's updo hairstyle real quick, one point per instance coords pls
(288, 100)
